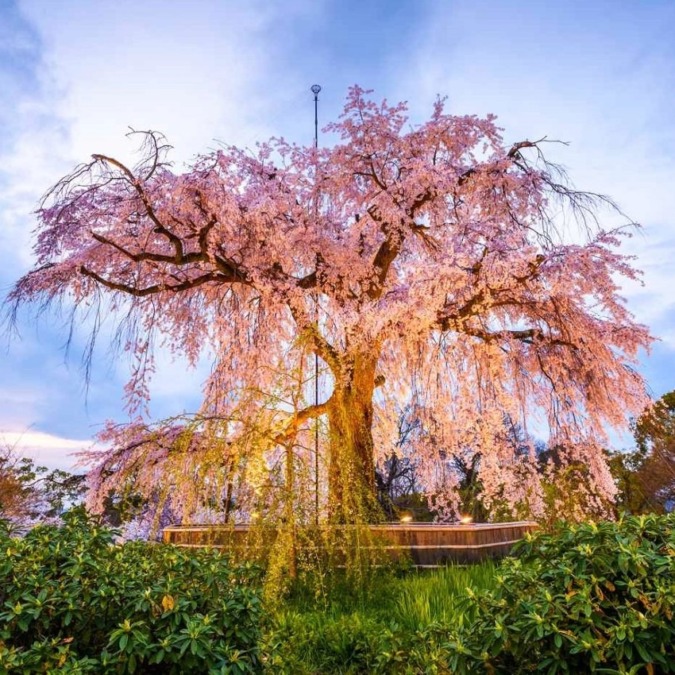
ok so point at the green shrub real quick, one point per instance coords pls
(589, 597)
(70, 600)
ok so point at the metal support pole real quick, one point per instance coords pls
(315, 90)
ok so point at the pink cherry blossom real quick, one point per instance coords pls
(454, 274)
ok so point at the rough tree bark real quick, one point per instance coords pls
(351, 452)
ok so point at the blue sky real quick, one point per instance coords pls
(75, 74)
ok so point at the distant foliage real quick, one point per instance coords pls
(71, 601)
(30, 494)
(655, 428)
(655, 438)
(645, 476)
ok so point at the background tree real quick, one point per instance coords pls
(30, 493)
(396, 475)
(451, 272)
(654, 430)
(646, 476)
(18, 501)
(632, 494)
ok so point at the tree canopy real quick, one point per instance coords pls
(431, 268)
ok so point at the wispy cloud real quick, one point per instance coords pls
(47, 450)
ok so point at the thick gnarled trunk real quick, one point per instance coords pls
(351, 470)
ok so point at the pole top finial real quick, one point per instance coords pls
(316, 88)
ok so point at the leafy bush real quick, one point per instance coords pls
(589, 597)
(585, 598)
(70, 600)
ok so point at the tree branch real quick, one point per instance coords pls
(322, 347)
(393, 241)
(143, 256)
(156, 288)
(160, 228)
(299, 417)
(450, 321)
(527, 335)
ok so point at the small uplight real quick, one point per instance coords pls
(255, 515)
(466, 519)
(407, 518)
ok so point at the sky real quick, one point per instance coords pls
(75, 75)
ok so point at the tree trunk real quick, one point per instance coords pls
(351, 472)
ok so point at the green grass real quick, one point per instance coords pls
(350, 630)
(424, 598)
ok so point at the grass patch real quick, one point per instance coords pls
(426, 598)
(396, 620)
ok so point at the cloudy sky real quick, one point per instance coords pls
(76, 74)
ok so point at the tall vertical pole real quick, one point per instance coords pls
(315, 90)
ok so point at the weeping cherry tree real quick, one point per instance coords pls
(432, 267)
